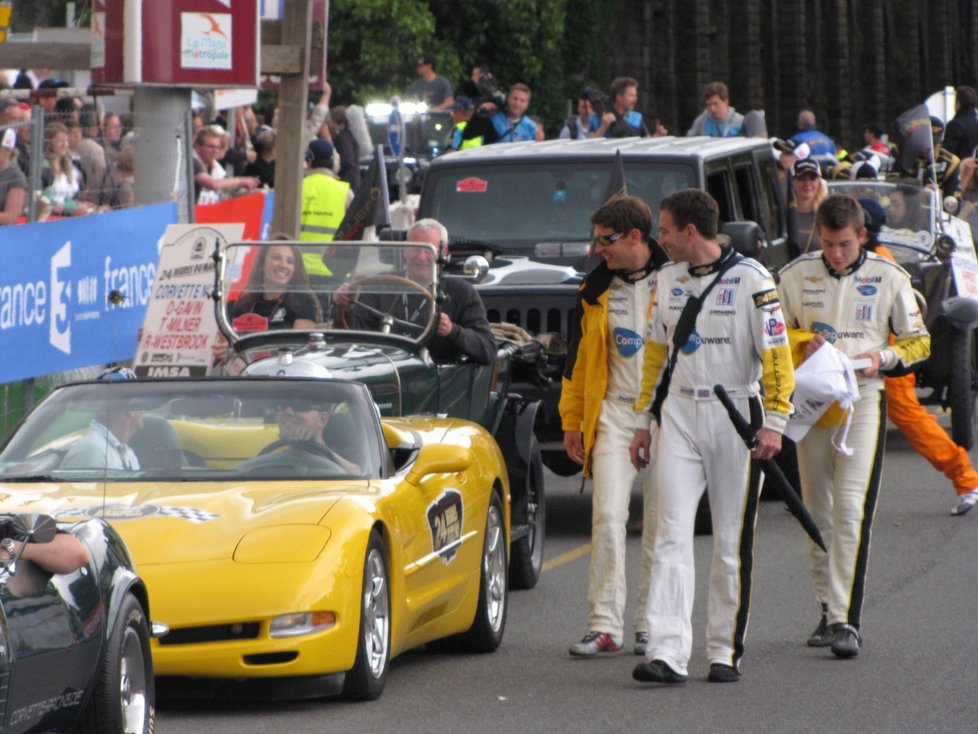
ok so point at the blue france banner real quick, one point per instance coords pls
(55, 282)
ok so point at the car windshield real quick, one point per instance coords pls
(198, 430)
(387, 288)
(537, 209)
(911, 212)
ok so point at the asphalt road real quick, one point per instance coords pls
(919, 626)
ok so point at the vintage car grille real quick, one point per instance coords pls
(211, 633)
(543, 309)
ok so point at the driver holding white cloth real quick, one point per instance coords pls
(853, 300)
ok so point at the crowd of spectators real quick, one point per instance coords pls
(88, 162)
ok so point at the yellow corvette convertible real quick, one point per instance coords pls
(283, 530)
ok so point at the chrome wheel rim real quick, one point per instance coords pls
(494, 569)
(376, 614)
(133, 684)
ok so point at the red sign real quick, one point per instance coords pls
(472, 185)
(185, 43)
(250, 322)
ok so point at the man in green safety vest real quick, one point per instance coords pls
(324, 201)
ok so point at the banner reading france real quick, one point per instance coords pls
(73, 292)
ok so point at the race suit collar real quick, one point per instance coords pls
(633, 276)
(848, 271)
(698, 271)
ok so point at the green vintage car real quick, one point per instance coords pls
(364, 319)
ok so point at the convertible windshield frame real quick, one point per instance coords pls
(388, 288)
(199, 430)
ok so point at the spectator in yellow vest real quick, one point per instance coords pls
(324, 201)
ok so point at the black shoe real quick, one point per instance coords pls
(823, 634)
(720, 673)
(847, 641)
(657, 672)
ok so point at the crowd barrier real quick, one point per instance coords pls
(73, 292)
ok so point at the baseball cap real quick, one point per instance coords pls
(806, 165)
(462, 103)
(798, 150)
(320, 151)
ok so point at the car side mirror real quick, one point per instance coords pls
(31, 528)
(439, 459)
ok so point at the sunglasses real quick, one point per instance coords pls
(301, 406)
(607, 240)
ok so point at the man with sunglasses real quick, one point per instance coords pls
(301, 427)
(601, 382)
(430, 87)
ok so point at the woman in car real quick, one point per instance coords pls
(277, 295)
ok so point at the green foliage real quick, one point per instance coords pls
(373, 46)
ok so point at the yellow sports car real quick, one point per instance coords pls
(282, 528)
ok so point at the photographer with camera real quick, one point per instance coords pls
(512, 123)
(616, 117)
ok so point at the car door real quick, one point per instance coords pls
(53, 625)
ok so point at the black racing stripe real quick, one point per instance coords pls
(746, 550)
(858, 590)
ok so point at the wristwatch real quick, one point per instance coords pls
(8, 545)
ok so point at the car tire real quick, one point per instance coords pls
(962, 390)
(526, 554)
(124, 697)
(365, 680)
(486, 632)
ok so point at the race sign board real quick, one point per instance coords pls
(964, 263)
(180, 328)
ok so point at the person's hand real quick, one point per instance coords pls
(327, 91)
(640, 448)
(813, 345)
(444, 325)
(768, 444)
(219, 349)
(574, 445)
(344, 296)
(247, 182)
(660, 130)
(874, 368)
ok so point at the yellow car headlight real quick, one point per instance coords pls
(282, 544)
(301, 623)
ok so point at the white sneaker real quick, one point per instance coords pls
(965, 502)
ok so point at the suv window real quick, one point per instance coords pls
(520, 205)
(718, 186)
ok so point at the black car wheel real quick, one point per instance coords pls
(962, 390)
(365, 680)
(124, 699)
(526, 561)
(486, 632)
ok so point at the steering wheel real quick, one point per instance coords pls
(386, 320)
(311, 447)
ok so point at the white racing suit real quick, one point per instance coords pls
(855, 312)
(615, 316)
(739, 339)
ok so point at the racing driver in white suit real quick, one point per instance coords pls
(739, 340)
